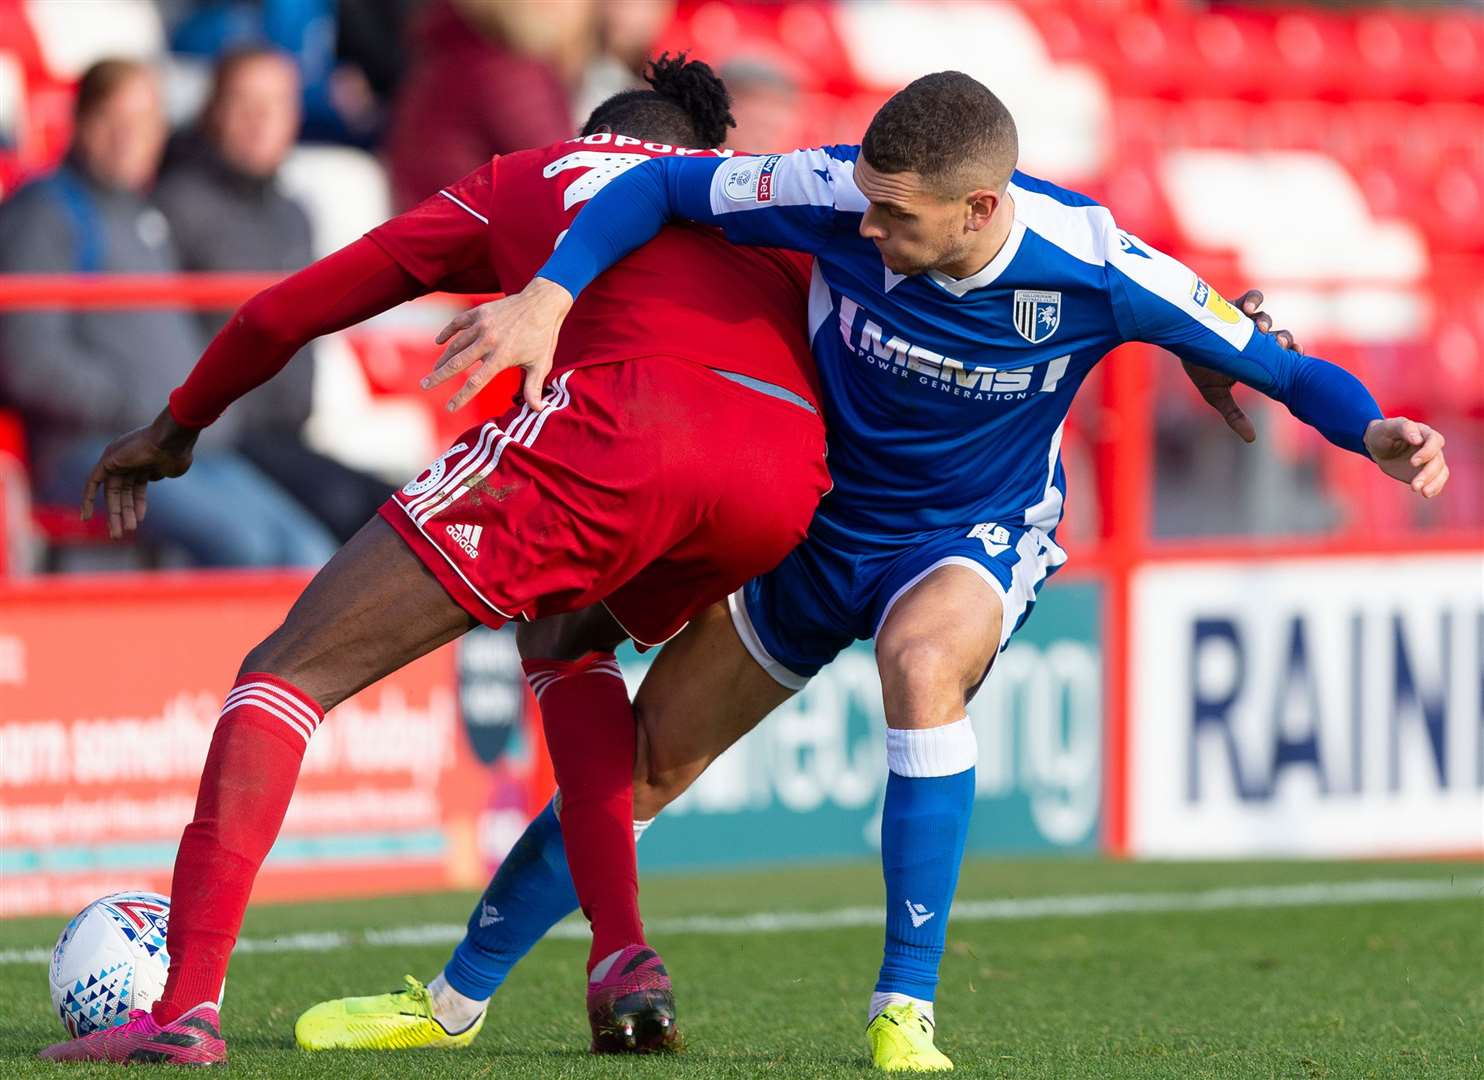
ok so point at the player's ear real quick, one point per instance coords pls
(981, 206)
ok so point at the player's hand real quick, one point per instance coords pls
(518, 331)
(1410, 452)
(1216, 388)
(129, 463)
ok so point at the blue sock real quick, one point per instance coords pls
(924, 824)
(531, 892)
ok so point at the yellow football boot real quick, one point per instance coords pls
(402, 1020)
(901, 1040)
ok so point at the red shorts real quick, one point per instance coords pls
(654, 485)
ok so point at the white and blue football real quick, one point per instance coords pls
(111, 958)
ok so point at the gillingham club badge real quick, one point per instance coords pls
(1037, 314)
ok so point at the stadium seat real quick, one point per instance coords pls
(33, 534)
(1309, 220)
(392, 436)
(1451, 65)
(76, 33)
(783, 34)
(1313, 56)
(1061, 110)
(12, 99)
(344, 190)
(1232, 57)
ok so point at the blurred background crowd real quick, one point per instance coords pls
(1332, 155)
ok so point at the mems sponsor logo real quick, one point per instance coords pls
(890, 352)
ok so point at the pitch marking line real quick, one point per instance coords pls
(1311, 894)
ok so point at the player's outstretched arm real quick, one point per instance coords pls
(352, 284)
(1158, 300)
(781, 200)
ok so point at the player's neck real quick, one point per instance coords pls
(987, 245)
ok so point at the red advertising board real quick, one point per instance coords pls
(109, 691)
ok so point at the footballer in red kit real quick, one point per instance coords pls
(637, 489)
(676, 452)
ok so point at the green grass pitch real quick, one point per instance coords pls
(1315, 988)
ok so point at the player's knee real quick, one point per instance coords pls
(923, 681)
(568, 637)
(657, 787)
(282, 654)
(657, 781)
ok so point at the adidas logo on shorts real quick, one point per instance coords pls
(467, 537)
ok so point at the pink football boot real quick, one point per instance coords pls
(630, 1004)
(193, 1038)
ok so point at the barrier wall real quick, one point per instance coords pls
(109, 690)
(808, 784)
(1297, 705)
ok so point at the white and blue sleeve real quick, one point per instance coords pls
(778, 200)
(1160, 300)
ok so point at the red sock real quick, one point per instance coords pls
(250, 772)
(591, 733)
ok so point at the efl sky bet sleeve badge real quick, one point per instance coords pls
(741, 182)
(751, 179)
(1208, 298)
(1037, 314)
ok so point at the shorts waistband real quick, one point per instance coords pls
(764, 387)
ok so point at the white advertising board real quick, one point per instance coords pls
(1316, 706)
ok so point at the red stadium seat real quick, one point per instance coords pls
(57, 527)
(1312, 53)
(1232, 57)
(1451, 65)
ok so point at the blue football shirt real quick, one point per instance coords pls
(946, 398)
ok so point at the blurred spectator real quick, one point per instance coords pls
(484, 79)
(339, 102)
(219, 190)
(371, 37)
(626, 33)
(765, 102)
(80, 378)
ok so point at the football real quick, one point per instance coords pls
(111, 958)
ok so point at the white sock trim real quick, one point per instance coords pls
(880, 1000)
(451, 1009)
(938, 751)
(640, 827)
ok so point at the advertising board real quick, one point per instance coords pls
(104, 725)
(809, 781)
(1308, 707)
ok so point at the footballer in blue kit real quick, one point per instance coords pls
(955, 308)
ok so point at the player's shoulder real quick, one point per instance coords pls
(822, 177)
(1073, 224)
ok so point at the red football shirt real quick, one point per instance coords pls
(687, 293)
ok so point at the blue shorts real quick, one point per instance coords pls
(794, 620)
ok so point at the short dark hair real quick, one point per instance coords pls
(948, 128)
(101, 80)
(688, 105)
(235, 59)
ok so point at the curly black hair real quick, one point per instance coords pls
(948, 128)
(689, 105)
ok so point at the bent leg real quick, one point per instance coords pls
(702, 694)
(932, 650)
(371, 610)
(374, 608)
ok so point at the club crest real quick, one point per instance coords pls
(1037, 314)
